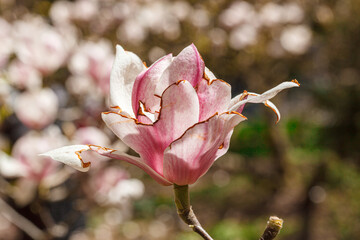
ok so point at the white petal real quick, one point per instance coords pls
(70, 155)
(209, 74)
(255, 98)
(126, 68)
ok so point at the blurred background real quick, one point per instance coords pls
(55, 61)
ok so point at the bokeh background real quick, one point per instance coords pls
(55, 60)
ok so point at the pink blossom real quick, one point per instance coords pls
(112, 185)
(94, 60)
(26, 152)
(37, 108)
(175, 114)
(24, 76)
(42, 46)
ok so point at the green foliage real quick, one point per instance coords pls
(250, 139)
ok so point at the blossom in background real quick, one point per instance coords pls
(9, 167)
(37, 108)
(113, 186)
(296, 39)
(93, 61)
(175, 114)
(42, 46)
(63, 12)
(24, 76)
(26, 152)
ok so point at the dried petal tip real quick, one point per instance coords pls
(234, 112)
(275, 223)
(295, 81)
(244, 95)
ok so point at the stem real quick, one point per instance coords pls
(272, 228)
(185, 212)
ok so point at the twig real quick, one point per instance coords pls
(12, 216)
(185, 212)
(272, 228)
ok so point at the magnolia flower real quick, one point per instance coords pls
(175, 114)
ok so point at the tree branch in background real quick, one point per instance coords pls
(272, 228)
(12, 216)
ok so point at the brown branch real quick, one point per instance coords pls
(185, 212)
(272, 228)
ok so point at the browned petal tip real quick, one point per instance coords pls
(295, 81)
(178, 82)
(206, 77)
(244, 95)
(83, 164)
(277, 116)
(100, 147)
(234, 112)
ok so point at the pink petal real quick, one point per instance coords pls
(138, 136)
(213, 97)
(145, 84)
(179, 111)
(188, 65)
(189, 157)
(126, 68)
(74, 157)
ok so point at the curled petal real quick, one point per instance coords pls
(145, 84)
(188, 65)
(70, 155)
(126, 68)
(213, 97)
(74, 157)
(238, 102)
(274, 108)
